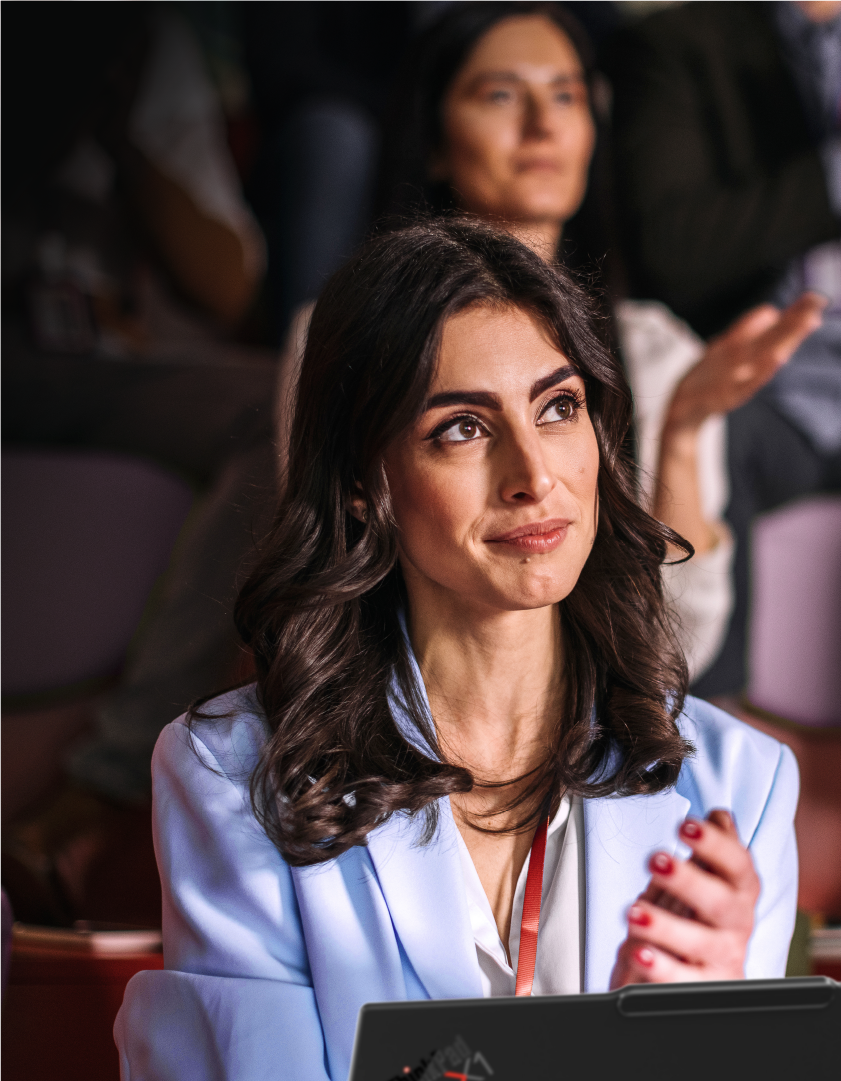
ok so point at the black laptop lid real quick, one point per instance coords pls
(738, 1031)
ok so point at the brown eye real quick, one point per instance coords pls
(562, 409)
(459, 430)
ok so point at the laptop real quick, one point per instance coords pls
(747, 1030)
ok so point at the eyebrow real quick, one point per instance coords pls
(491, 401)
(513, 77)
(558, 376)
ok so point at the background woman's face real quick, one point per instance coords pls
(494, 488)
(518, 132)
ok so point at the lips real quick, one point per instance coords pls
(540, 165)
(535, 536)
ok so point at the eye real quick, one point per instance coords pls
(458, 430)
(563, 408)
(500, 96)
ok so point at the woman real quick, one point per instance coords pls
(461, 644)
(497, 120)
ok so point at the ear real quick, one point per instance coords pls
(358, 506)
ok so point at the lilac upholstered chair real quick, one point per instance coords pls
(795, 640)
(85, 535)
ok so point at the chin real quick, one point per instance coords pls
(543, 205)
(537, 591)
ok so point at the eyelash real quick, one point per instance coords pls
(573, 396)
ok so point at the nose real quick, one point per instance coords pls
(525, 477)
(537, 123)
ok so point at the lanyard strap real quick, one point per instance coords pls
(531, 911)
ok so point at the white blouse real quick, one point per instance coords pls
(559, 968)
(659, 349)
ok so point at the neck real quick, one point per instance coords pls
(494, 680)
(543, 237)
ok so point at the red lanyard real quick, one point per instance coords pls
(531, 911)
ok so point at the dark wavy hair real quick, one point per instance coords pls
(414, 133)
(321, 610)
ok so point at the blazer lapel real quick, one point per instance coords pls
(424, 892)
(620, 834)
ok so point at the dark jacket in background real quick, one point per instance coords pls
(719, 180)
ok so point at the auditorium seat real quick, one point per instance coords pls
(59, 1012)
(794, 660)
(85, 536)
(794, 676)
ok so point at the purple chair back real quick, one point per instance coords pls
(795, 638)
(85, 536)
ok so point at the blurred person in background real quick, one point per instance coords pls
(130, 259)
(320, 76)
(727, 122)
(502, 116)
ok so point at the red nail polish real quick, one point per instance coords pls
(639, 916)
(644, 956)
(691, 829)
(662, 863)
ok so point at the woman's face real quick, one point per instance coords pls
(518, 132)
(494, 488)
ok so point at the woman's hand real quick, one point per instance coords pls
(733, 368)
(695, 919)
(740, 361)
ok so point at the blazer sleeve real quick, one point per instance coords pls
(773, 847)
(236, 998)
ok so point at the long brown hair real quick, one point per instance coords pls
(321, 611)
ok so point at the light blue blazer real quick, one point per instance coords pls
(267, 965)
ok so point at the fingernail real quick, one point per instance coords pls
(662, 863)
(638, 916)
(644, 956)
(691, 829)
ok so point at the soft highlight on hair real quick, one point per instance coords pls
(321, 610)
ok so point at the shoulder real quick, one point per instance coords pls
(227, 735)
(734, 766)
(654, 335)
(697, 27)
(658, 348)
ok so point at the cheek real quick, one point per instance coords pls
(581, 477)
(479, 152)
(434, 507)
(579, 142)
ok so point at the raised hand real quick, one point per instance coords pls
(734, 366)
(742, 359)
(695, 919)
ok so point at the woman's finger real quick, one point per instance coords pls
(713, 900)
(641, 963)
(688, 940)
(749, 326)
(717, 848)
(795, 324)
